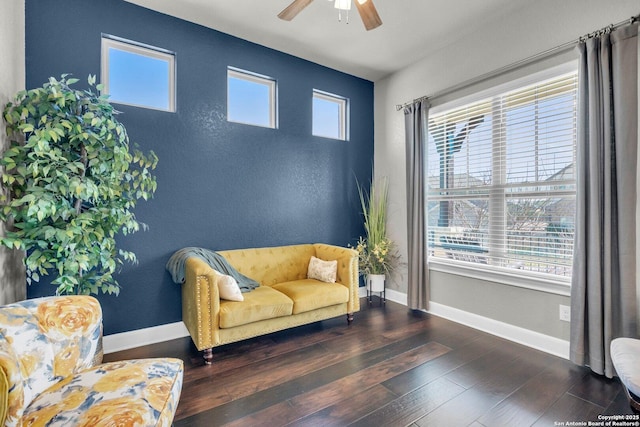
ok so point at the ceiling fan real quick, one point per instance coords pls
(366, 9)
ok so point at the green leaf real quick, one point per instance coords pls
(53, 135)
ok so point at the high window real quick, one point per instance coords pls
(501, 180)
(137, 74)
(251, 98)
(329, 115)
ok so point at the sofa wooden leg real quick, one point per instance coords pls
(349, 318)
(208, 356)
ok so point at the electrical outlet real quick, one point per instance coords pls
(565, 313)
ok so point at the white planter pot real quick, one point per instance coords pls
(375, 282)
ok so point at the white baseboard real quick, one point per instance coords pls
(146, 336)
(132, 339)
(542, 342)
(171, 331)
(546, 343)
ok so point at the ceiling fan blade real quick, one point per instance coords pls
(293, 9)
(368, 13)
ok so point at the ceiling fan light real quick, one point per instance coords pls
(343, 4)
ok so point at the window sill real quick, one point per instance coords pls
(522, 279)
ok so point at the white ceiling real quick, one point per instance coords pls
(411, 30)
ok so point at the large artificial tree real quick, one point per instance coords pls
(71, 182)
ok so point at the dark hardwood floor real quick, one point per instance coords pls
(390, 367)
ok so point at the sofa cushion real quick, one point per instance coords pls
(111, 394)
(310, 294)
(259, 304)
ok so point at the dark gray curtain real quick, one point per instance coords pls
(603, 286)
(415, 119)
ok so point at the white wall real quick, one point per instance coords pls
(534, 28)
(12, 79)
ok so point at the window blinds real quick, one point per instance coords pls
(501, 182)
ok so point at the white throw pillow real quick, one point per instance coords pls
(324, 271)
(228, 288)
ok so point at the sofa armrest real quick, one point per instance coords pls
(347, 273)
(201, 303)
(54, 336)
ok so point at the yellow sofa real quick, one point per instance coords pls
(284, 299)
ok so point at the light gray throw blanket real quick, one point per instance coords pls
(175, 266)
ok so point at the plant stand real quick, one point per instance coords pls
(376, 283)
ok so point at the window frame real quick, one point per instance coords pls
(269, 82)
(550, 283)
(343, 111)
(109, 41)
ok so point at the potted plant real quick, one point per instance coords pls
(377, 253)
(71, 184)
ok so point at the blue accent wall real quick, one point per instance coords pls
(221, 185)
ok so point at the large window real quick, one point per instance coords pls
(329, 115)
(251, 98)
(501, 182)
(139, 75)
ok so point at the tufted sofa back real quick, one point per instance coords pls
(43, 341)
(270, 266)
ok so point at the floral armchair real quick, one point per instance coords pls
(48, 377)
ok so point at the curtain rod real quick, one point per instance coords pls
(545, 54)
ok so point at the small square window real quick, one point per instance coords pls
(329, 115)
(251, 98)
(138, 75)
